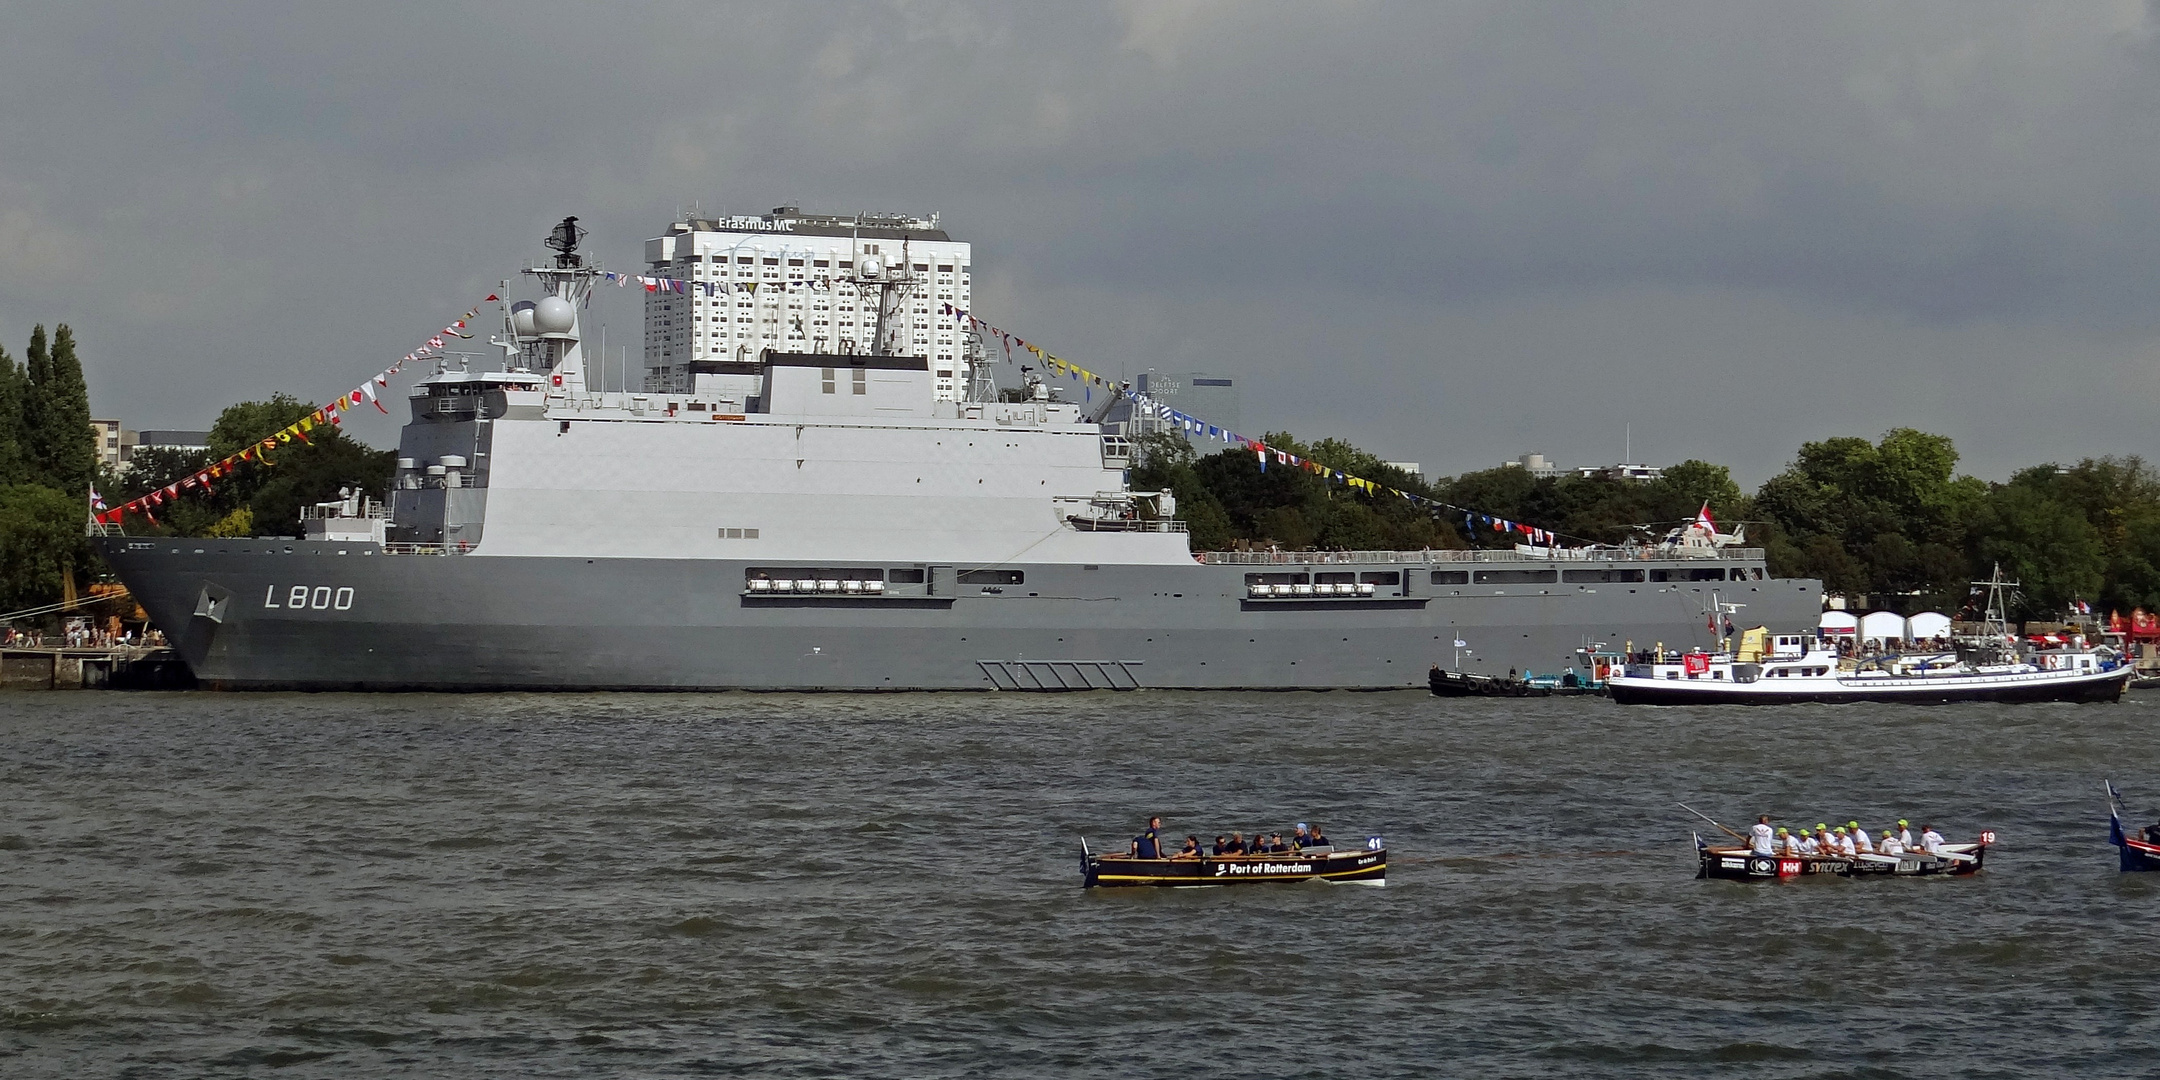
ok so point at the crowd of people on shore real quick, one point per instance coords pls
(1848, 840)
(82, 637)
(1304, 839)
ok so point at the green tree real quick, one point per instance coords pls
(2042, 542)
(42, 547)
(14, 392)
(62, 449)
(1895, 508)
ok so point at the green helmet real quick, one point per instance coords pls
(1782, 832)
(1852, 824)
(1820, 827)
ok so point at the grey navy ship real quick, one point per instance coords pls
(826, 521)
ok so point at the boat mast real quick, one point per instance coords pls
(1996, 623)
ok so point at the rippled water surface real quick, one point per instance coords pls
(204, 884)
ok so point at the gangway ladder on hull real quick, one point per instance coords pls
(1056, 675)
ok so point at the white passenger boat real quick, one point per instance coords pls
(1794, 669)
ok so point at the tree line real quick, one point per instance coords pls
(1891, 518)
(48, 459)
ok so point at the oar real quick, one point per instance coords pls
(1714, 821)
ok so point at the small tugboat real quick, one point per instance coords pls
(1366, 866)
(1464, 684)
(2140, 851)
(1737, 862)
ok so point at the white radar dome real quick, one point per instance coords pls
(521, 319)
(554, 315)
(871, 267)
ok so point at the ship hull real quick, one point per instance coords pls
(325, 615)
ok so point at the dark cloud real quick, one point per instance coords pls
(1454, 233)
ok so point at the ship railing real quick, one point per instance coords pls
(406, 548)
(1436, 555)
(1108, 524)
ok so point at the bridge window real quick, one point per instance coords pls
(992, 577)
(1451, 577)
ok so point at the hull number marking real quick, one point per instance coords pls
(309, 598)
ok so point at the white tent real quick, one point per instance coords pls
(1927, 624)
(1837, 624)
(1882, 626)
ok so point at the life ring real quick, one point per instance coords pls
(1761, 866)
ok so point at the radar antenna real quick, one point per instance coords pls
(564, 242)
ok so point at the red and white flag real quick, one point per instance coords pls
(1702, 518)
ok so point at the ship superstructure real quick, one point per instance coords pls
(823, 520)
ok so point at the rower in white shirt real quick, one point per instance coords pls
(1807, 843)
(1904, 834)
(1764, 841)
(1860, 838)
(1890, 845)
(1789, 842)
(1844, 843)
(1930, 840)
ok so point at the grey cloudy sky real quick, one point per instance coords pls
(1448, 232)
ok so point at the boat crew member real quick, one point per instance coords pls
(1302, 838)
(1237, 844)
(1860, 837)
(1764, 840)
(1276, 845)
(1147, 845)
(1890, 845)
(1930, 840)
(1845, 843)
(1808, 846)
(1191, 850)
(1219, 847)
(1788, 841)
(1318, 839)
(1904, 835)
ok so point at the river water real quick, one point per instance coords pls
(648, 885)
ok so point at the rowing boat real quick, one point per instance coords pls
(1365, 866)
(2140, 850)
(1737, 862)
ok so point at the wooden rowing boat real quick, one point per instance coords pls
(2140, 850)
(1363, 866)
(1736, 862)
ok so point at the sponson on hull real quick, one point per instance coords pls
(826, 521)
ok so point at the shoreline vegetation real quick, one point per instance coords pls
(1891, 518)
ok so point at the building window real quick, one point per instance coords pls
(828, 382)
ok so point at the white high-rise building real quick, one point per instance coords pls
(809, 297)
